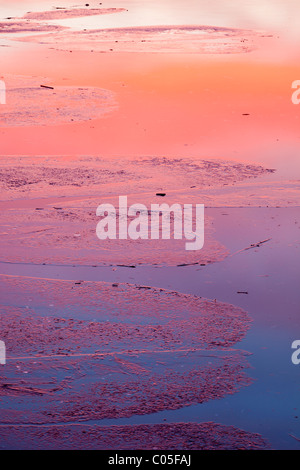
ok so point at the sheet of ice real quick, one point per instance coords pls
(19, 26)
(176, 436)
(64, 232)
(36, 177)
(87, 307)
(170, 38)
(32, 101)
(82, 351)
(65, 13)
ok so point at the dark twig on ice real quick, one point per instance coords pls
(297, 438)
(49, 87)
(253, 245)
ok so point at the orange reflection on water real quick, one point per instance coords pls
(171, 105)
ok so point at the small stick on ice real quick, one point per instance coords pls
(297, 438)
(253, 245)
